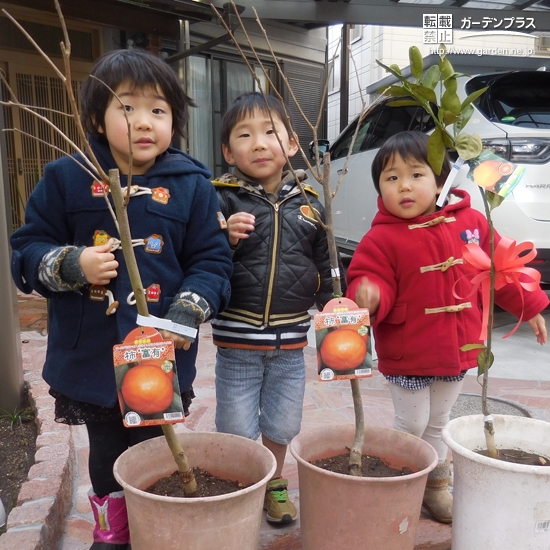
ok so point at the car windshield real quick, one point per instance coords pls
(519, 99)
(384, 122)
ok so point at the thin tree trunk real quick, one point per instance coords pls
(185, 471)
(488, 427)
(357, 447)
(356, 450)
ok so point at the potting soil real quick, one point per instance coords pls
(371, 466)
(208, 485)
(516, 456)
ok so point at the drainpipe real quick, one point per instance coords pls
(11, 369)
(183, 70)
(344, 78)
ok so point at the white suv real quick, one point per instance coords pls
(512, 118)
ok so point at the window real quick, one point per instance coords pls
(391, 121)
(379, 126)
(341, 146)
(355, 33)
(516, 98)
(334, 75)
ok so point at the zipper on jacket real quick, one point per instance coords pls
(276, 208)
(273, 261)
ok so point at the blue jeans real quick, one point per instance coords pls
(260, 392)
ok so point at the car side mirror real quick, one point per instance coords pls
(322, 148)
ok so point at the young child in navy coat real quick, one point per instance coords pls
(68, 252)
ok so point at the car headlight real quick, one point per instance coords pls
(520, 150)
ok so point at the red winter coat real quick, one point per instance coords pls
(410, 340)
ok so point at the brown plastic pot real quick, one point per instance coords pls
(341, 511)
(223, 522)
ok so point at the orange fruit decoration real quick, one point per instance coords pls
(167, 367)
(343, 349)
(146, 389)
(487, 174)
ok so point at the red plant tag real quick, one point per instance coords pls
(146, 378)
(342, 335)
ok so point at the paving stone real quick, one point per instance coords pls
(50, 468)
(31, 512)
(28, 538)
(54, 438)
(39, 488)
(58, 452)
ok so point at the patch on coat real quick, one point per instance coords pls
(470, 237)
(309, 212)
(221, 221)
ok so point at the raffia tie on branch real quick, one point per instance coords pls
(509, 268)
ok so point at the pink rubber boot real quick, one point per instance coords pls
(111, 521)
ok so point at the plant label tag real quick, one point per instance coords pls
(342, 337)
(146, 378)
(494, 173)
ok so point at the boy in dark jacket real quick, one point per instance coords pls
(68, 251)
(281, 268)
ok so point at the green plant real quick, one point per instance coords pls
(450, 110)
(18, 416)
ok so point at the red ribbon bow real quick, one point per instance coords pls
(509, 268)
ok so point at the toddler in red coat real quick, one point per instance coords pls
(407, 271)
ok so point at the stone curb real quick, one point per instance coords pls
(37, 521)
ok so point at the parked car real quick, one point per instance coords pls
(513, 120)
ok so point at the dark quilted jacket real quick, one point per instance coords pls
(283, 268)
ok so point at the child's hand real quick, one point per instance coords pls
(367, 295)
(98, 264)
(538, 326)
(238, 224)
(180, 342)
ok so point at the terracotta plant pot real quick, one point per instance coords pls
(498, 504)
(223, 522)
(341, 511)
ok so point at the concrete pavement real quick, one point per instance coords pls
(54, 513)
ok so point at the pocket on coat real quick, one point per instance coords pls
(390, 334)
(65, 319)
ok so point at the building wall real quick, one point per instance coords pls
(286, 40)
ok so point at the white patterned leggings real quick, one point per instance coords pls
(425, 412)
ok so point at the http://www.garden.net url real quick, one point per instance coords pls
(518, 52)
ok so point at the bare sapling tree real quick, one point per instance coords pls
(89, 163)
(320, 170)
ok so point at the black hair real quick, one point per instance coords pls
(409, 146)
(245, 105)
(140, 69)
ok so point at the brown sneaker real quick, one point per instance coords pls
(279, 507)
